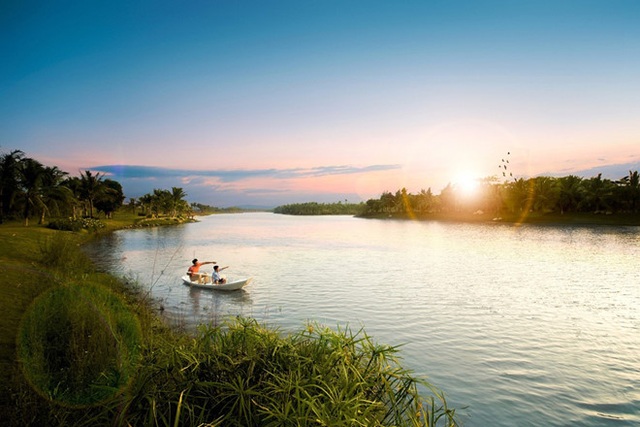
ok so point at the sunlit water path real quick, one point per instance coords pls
(523, 326)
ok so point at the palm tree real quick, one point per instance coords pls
(177, 199)
(90, 187)
(75, 187)
(145, 202)
(9, 173)
(598, 194)
(545, 194)
(571, 193)
(632, 190)
(520, 195)
(55, 195)
(30, 183)
(160, 202)
(186, 208)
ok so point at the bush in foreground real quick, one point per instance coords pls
(243, 374)
(247, 375)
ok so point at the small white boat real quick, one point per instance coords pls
(230, 285)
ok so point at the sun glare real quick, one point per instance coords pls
(467, 184)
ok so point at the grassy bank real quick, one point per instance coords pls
(78, 347)
(50, 296)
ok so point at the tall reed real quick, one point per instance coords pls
(243, 374)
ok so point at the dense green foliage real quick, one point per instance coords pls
(543, 195)
(171, 203)
(29, 189)
(313, 208)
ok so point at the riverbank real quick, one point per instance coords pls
(79, 347)
(579, 219)
(36, 259)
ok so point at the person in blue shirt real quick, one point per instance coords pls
(215, 277)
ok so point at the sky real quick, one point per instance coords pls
(265, 103)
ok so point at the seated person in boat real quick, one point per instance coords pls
(216, 275)
(194, 271)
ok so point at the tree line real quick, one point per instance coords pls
(29, 189)
(203, 209)
(543, 194)
(313, 208)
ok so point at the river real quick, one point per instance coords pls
(518, 325)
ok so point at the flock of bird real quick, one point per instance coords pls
(504, 165)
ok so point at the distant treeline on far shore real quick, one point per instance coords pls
(313, 208)
(540, 195)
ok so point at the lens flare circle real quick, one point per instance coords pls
(78, 344)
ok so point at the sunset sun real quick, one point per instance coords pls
(466, 184)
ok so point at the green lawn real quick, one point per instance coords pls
(22, 278)
(25, 274)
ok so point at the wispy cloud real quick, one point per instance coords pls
(149, 172)
(265, 187)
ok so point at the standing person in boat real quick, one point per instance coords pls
(194, 271)
(215, 277)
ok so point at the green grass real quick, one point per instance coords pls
(80, 348)
(22, 279)
(78, 344)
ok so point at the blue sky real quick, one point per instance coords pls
(271, 102)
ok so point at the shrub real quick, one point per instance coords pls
(66, 224)
(70, 224)
(60, 251)
(238, 374)
(244, 374)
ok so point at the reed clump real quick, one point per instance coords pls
(244, 374)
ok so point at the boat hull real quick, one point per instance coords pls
(231, 285)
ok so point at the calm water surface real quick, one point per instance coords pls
(520, 326)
